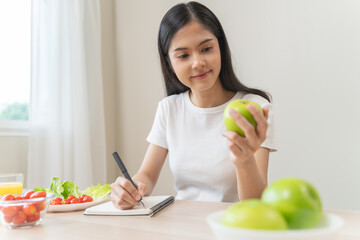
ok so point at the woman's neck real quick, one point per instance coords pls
(210, 98)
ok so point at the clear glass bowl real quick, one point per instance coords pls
(24, 213)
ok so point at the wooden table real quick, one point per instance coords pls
(180, 220)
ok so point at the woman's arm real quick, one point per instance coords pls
(151, 167)
(249, 158)
(251, 176)
(124, 195)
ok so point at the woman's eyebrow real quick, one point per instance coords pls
(183, 48)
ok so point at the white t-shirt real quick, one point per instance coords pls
(198, 153)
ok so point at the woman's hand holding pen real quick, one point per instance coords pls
(243, 149)
(124, 195)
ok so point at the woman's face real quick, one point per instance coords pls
(195, 57)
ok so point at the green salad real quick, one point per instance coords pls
(63, 189)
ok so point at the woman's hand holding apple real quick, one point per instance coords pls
(124, 195)
(243, 148)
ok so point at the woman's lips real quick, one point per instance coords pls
(201, 75)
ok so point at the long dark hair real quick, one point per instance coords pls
(177, 17)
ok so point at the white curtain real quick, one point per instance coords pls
(67, 125)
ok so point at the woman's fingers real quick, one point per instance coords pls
(134, 194)
(141, 188)
(123, 194)
(253, 137)
(241, 121)
(261, 121)
(117, 202)
(237, 144)
(247, 127)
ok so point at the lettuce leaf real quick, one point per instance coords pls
(42, 189)
(63, 189)
(98, 192)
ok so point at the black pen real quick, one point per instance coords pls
(125, 172)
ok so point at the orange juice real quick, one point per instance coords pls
(11, 188)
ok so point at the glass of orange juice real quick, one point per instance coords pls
(11, 183)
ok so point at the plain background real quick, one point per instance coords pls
(305, 53)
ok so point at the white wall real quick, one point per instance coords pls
(305, 53)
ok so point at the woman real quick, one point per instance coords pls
(208, 162)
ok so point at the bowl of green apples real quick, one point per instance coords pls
(290, 208)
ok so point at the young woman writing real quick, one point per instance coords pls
(208, 162)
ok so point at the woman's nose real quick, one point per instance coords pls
(198, 62)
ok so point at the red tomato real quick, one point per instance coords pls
(8, 197)
(28, 194)
(29, 209)
(19, 218)
(8, 219)
(38, 195)
(19, 198)
(71, 197)
(65, 201)
(82, 197)
(87, 199)
(75, 200)
(56, 201)
(34, 217)
(40, 205)
(10, 210)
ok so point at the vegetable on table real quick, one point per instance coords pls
(67, 192)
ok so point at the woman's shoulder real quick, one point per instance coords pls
(173, 99)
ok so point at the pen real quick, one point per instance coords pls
(125, 172)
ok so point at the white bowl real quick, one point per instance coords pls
(326, 229)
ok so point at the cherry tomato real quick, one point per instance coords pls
(38, 195)
(65, 201)
(40, 205)
(56, 201)
(19, 198)
(82, 197)
(75, 200)
(10, 210)
(19, 218)
(34, 217)
(71, 197)
(8, 219)
(87, 199)
(29, 209)
(28, 194)
(8, 197)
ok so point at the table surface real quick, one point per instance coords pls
(181, 220)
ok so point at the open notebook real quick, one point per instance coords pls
(153, 205)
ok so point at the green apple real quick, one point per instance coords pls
(254, 214)
(239, 105)
(297, 200)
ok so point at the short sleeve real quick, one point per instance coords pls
(157, 134)
(270, 142)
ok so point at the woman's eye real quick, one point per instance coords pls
(206, 49)
(183, 56)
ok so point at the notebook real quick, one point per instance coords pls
(153, 204)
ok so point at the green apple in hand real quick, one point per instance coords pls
(239, 105)
(254, 214)
(297, 200)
